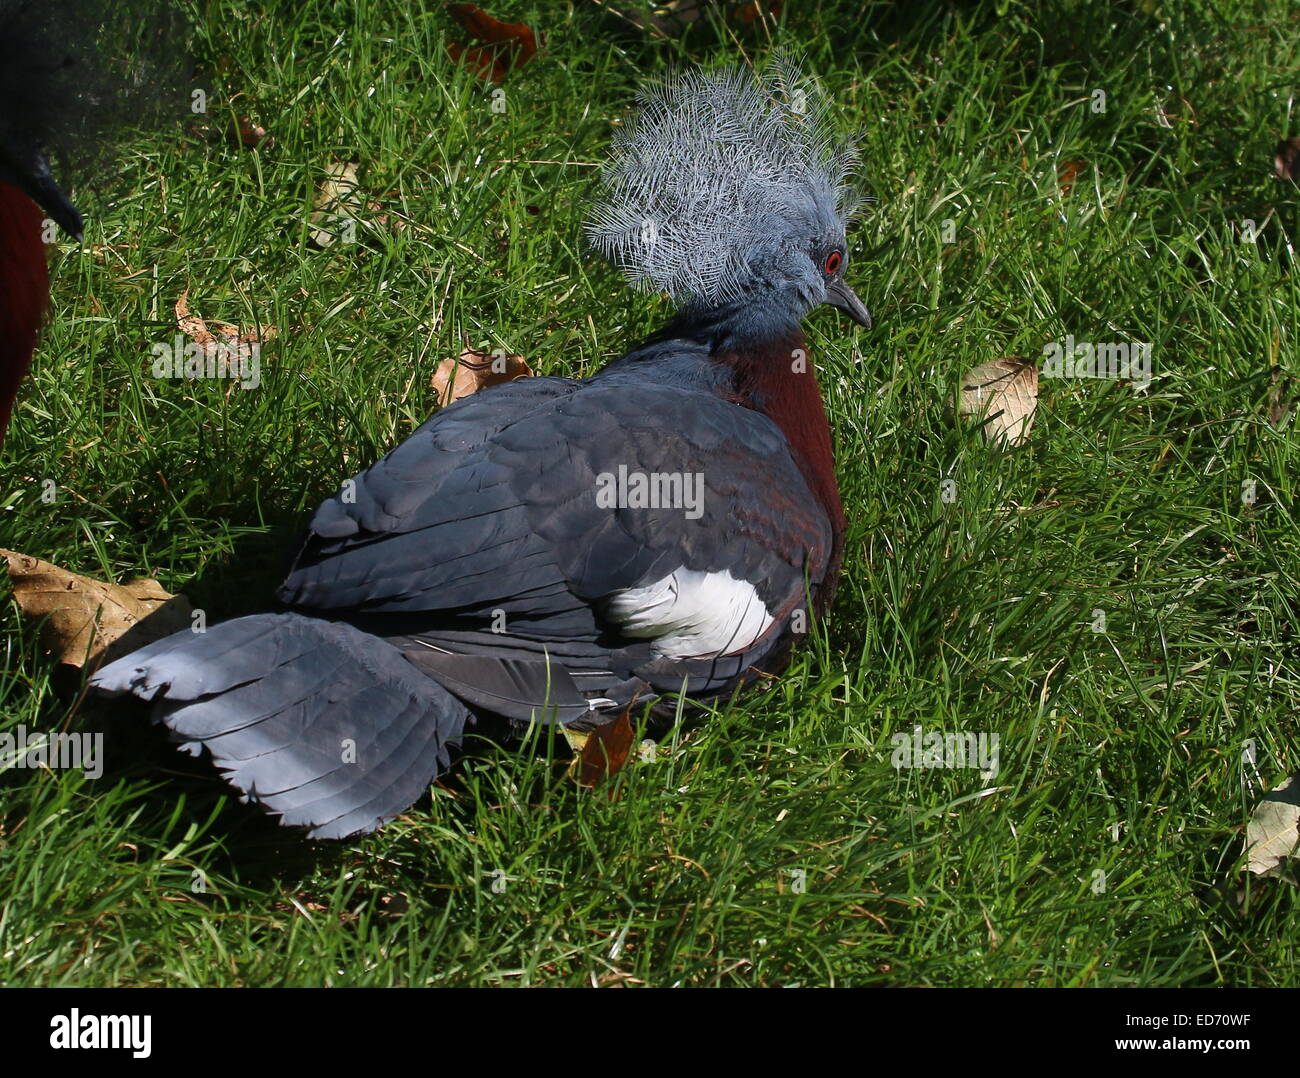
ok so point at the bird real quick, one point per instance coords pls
(33, 92)
(563, 550)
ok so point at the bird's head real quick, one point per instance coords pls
(72, 74)
(729, 193)
(24, 165)
(38, 92)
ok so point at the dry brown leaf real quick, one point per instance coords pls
(213, 337)
(605, 751)
(1279, 398)
(337, 204)
(756, 11)
(1273, 833)
(1286, 159)
(1003, 395)
(1066, 173)
(577, 739)
(385, 220)
(475, 370)
(243, 132)
(87, 619)
(505, 44)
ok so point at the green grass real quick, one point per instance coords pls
(1107, 851)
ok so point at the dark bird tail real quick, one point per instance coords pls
(325, 725)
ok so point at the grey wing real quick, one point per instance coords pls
(493, 511)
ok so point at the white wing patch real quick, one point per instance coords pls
(692, 614)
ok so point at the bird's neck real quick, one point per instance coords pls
(777, 378)
(24, 292)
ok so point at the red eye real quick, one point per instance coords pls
(834, 262)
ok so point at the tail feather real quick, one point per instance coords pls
(327, 726)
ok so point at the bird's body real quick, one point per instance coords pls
(507, 524)
(552, 549)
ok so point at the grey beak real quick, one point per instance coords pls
(841, 296)
(29, 171)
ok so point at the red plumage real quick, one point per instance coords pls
(24, 292)
(780, 382)
(71, 71)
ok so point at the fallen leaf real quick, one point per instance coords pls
(385, 220)
(756, 11)
(337, 205)
(1279, 398)
(475, 370)
(506, 45)
(1066, 173)
(605, 751)
(1286, 159)
(217, 337)
(243, 132)
(577, 739)
(1003, 394)
(1273, 833)
(87, 620)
